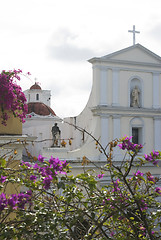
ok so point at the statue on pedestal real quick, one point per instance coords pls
(56, 135)
(135, 99)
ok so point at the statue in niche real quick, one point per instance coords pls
(135, 97)
(56, 135)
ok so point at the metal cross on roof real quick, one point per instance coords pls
(133, 31)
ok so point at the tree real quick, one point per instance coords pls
(57, 205)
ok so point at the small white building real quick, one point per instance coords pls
(41, 118)
(125, 100)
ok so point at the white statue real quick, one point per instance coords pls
(135, 97)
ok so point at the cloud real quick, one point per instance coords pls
(154, 32)
(66, 46)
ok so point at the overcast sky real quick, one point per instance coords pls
(54, 39)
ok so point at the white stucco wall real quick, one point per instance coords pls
(39, 127)
(44, 96)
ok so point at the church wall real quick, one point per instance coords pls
(125, 131)
(96, 86)
(68, 131)
(40, 129)
(83, 120)
(111, 137)
(148, 90)
(160, 90)
(123, 89)
(109, 95)
(149, 135)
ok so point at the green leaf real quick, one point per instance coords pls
(2, 162)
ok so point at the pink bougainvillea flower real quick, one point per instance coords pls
(100, 175)
(12, 97)
(3, 179)
(158, 190)
(33, 177)
(130, 146)
(138, 173)
(40, 158)
(153, 157)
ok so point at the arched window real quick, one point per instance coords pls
(37, 96)
(135, 92)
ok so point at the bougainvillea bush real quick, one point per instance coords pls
(51, 203)
(12, 98)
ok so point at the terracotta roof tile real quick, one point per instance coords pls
(40, 109)
(35, 86)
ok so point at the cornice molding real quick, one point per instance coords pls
(126, 111)
(125, 62)
(123, 68)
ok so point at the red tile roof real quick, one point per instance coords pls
(40, 109)
(35, 86)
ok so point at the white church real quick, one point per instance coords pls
(125, 99)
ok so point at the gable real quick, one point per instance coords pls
(136, 53)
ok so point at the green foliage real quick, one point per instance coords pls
(64, 206)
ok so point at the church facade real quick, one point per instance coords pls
(125, 100)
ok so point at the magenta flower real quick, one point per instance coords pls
(116, 184)
(64, 163)
(33, 177)
(152, 157)
(100, 175)
(15, 200)
(130, 146)
(27, 164)
(3, 179)
(36, 166)
(143, 205)
(47, 182)
(155, 162)
(12, 97)
(112, 234)
(57, 165)
(151, 178)
(138, 173)
(29, 193)
(158, 190)
(40, 158)
(3, 201)
(51, 160)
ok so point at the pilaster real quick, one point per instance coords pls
(116, 134)
(157, 133)
(115, 87)
(104, 118)
(156, 90)
(103, 86)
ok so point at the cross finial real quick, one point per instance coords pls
(133, 31)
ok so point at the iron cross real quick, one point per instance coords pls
(133, 31)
